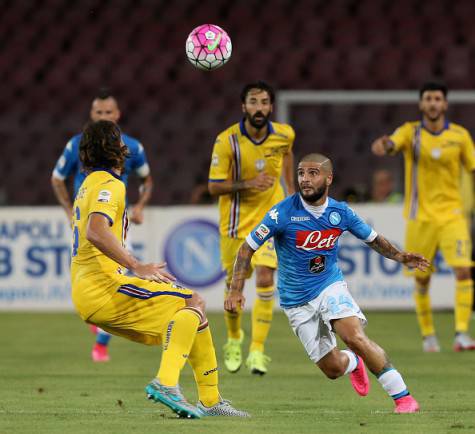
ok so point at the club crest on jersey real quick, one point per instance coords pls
(261, 232)
(274, 215)
(260, 164)
(334, 218)
(317, 240)
(104, 196)
(214, 160)
(317, 265)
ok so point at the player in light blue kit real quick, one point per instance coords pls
(306, 228)
(104, 107)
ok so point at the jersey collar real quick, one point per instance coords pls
(437, 133)
(316, 211)
(270, 130)
(101, 169)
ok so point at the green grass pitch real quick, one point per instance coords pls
(48, 384)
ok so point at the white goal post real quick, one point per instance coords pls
(286, 98)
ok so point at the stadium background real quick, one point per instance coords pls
(56, 54)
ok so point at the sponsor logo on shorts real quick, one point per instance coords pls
(262, 231)
(317, 240)
(317, 265)
(299, 219)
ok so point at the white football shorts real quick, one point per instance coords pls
(311, 322)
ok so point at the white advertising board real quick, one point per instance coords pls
(35, 248)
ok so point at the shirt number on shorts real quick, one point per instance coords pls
(336, 307)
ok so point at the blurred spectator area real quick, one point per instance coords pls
(55, 54)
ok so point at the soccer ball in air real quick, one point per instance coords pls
(208, 47)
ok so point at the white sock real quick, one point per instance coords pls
(352, 361)
(393, 384)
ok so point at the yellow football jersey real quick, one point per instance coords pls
(433, 163)
(93, 273)
(236, 157)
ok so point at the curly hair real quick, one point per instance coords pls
(261, 85)
(101, 146)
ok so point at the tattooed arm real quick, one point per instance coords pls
(388, 250)
(235, 299)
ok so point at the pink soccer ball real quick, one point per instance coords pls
(208, 47)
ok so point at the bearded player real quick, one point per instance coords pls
(248, 161)
(313, 293)
(434, 152)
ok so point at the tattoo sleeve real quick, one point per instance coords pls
(384, 247)
(241, 267)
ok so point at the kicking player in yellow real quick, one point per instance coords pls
(434, 151)
(148, 308)
(248, 161)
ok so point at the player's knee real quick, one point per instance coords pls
(462, 273)
(332, 372)
(197, 302)
(422, 284)
(357, 342)
(264, 276)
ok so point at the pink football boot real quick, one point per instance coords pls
(359, 378)
(406, 404)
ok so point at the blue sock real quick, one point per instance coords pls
(102, 337)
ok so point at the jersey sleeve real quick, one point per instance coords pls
(221, 160)
(402, 137)
(468, 152)
(358, 227)
(67, 163)
(267, 228)
(139, 162)
(106, 199)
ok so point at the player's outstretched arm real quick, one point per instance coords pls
(99, 234)
(235, 298)
(388, 250)
(382, 146)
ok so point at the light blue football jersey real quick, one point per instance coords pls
(307, 246)
(69, 164)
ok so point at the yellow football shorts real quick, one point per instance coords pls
(140, 310)
(451, 238)
(264, 256)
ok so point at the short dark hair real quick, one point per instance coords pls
(261, 85)
(101, 146)
(104, 93)
(433, 85)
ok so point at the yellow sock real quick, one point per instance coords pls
(262, 317)
(205, 367)
(233, 324)
(424, 313)
(463, 304)
(179, 336)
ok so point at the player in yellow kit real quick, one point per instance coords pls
(248, 161)
(148, 308)
(434, 152)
